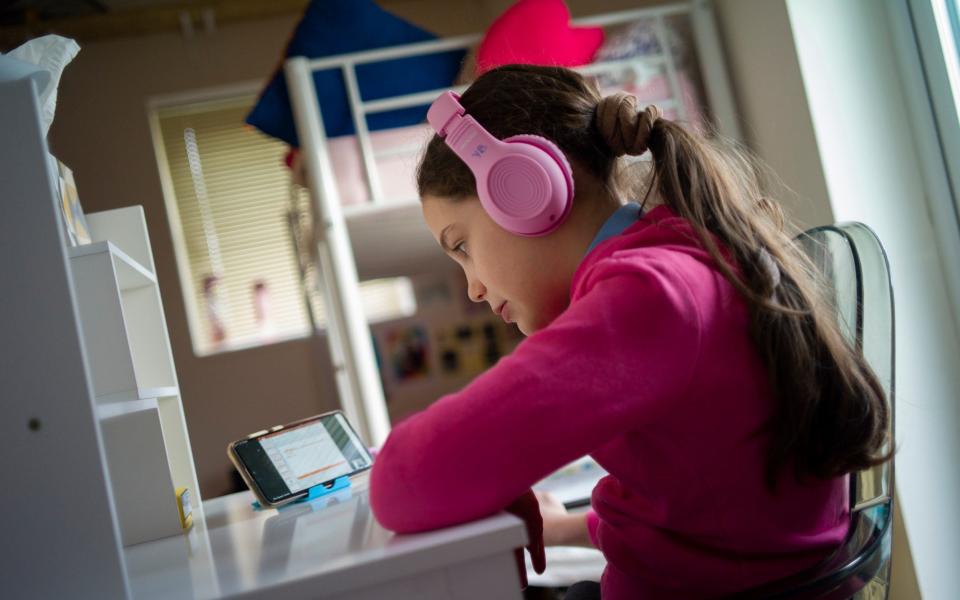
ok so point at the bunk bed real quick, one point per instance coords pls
(666, 54)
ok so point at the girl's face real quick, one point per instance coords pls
(524, 280)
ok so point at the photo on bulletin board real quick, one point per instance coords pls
(470, 346)
(76, 225)
(406, 352)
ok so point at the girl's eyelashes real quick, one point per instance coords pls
(461, 248)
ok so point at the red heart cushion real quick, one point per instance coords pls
(537, 32)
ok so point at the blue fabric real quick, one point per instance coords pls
(332, 27)
(624, 217)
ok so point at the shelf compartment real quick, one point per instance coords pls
(126, 228)
(124, 329)
(179, 451)
(130, 273)
(140, 475)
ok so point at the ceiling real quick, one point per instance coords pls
(19, 11)
(87, 20)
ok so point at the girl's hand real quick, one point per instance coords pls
(561, 528)
(527, 508)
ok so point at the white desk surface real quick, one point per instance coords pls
(331, 547)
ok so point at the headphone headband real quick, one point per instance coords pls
(443, 110)
(524, 182)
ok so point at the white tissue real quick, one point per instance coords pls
(52, 53)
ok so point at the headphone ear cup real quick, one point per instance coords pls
(529, 189)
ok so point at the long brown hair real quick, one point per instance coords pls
(830, 415)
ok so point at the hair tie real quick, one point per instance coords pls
(625, 128)
(770, 266)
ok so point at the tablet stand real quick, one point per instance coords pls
(315, 492)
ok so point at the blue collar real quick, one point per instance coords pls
(624, 217)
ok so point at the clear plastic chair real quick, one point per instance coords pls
(854, 265)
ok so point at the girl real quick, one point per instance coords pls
(683, 345)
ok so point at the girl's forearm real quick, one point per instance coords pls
(567, 530)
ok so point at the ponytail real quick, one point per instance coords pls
(830, 415)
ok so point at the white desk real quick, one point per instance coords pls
(329, 548)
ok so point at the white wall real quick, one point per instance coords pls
(775, 117)
(873, 175)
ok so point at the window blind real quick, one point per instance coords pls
(230, 201)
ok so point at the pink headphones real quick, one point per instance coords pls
(524, 182)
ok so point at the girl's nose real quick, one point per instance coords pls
(475, 290)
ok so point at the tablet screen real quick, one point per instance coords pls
(297, 458)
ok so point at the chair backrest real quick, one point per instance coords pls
(854, 267)
(851, 259)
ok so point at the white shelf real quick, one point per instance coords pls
(130, 273)
(114, 409)
(138, 405)
(126, 228)
(124, 326)
(138, 394)
(140, 475)
(61, 528)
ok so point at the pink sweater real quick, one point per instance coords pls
(651, 371)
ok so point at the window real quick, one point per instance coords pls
(950, 18)
(926, 35)
(938, 33)
(947, 16)
(228, 197)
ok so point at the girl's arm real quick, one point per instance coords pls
(615, 359)
(561, 528)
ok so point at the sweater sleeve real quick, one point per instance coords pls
(620, 353)
(593, 522)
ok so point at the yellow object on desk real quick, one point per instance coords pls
(183, 507)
